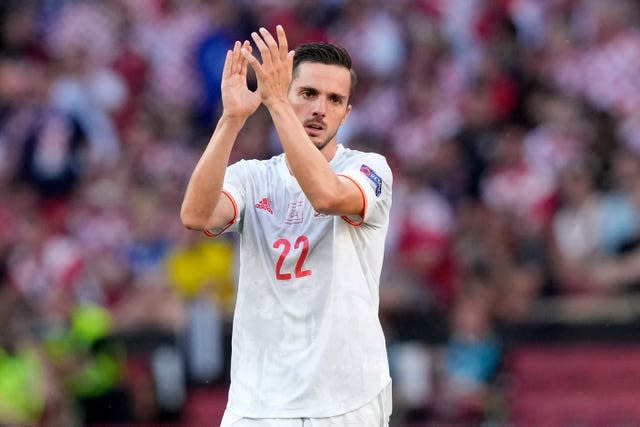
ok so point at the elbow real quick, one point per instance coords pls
(190, 220)
(322, 209)
(324, 204)
(191, 225)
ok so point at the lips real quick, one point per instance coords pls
(314, 127)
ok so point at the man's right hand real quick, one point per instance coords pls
(238, 101)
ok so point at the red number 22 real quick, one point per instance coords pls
(286, 244)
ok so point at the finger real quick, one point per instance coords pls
(226, 69)
(243, 61)
(271, 43)
(236, 56)
(263, 48)
(283, 44)
(253, 62)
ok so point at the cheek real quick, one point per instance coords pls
(299, 108)
(295, 101)
(343, 117)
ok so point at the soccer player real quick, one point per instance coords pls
(307, 344)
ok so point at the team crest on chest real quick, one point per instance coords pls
(295, 213)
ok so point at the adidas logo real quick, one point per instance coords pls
(264, 205)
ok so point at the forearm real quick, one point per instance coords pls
(311, 169)
(203, 190)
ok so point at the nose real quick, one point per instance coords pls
(319, 107)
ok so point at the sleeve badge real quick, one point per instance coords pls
(376, 181)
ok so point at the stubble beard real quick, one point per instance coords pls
(324, 143)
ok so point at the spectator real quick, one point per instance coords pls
(472, 356)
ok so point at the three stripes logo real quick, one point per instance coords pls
(264, 205)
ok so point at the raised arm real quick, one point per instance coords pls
(202, 206)
(322, 107)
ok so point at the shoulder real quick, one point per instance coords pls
(368, 161)
(257, 164)
(351, 155)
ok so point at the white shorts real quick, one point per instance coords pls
(374, 414)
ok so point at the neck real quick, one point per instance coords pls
(328, 151)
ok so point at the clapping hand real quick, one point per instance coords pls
(238, 101)
(275, 72)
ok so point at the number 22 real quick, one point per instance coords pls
(286, 248)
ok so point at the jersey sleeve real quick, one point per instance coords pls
(235, 186)
(374, 179)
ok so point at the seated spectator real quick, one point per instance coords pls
(620, 271)
(421, 241)
(515, 188)
(52, 155)
(576, 233)
(472, 356)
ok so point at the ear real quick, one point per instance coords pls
(346, 115)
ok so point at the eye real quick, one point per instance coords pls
(308, 93)
(336, 99)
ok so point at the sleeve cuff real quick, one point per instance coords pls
(218, 231)
(357, 220)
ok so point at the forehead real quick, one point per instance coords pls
(323, 77)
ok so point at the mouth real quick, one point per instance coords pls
(314, 128)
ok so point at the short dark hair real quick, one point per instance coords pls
(325, 53)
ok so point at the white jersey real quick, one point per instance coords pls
(307, 340)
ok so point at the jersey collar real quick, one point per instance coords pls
(285, 168)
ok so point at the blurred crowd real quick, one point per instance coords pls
(512, 128)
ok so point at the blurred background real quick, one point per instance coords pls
(510, 290)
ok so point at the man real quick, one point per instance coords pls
(307, 346)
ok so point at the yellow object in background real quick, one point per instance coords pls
(22, 388)
(90, 322)
(204, 267)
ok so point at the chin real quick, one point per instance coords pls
(317, 141)
(320, 144)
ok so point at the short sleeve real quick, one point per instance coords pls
(372, 175)
(234, 188)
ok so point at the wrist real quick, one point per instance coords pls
(232, 121)
(277, 105)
